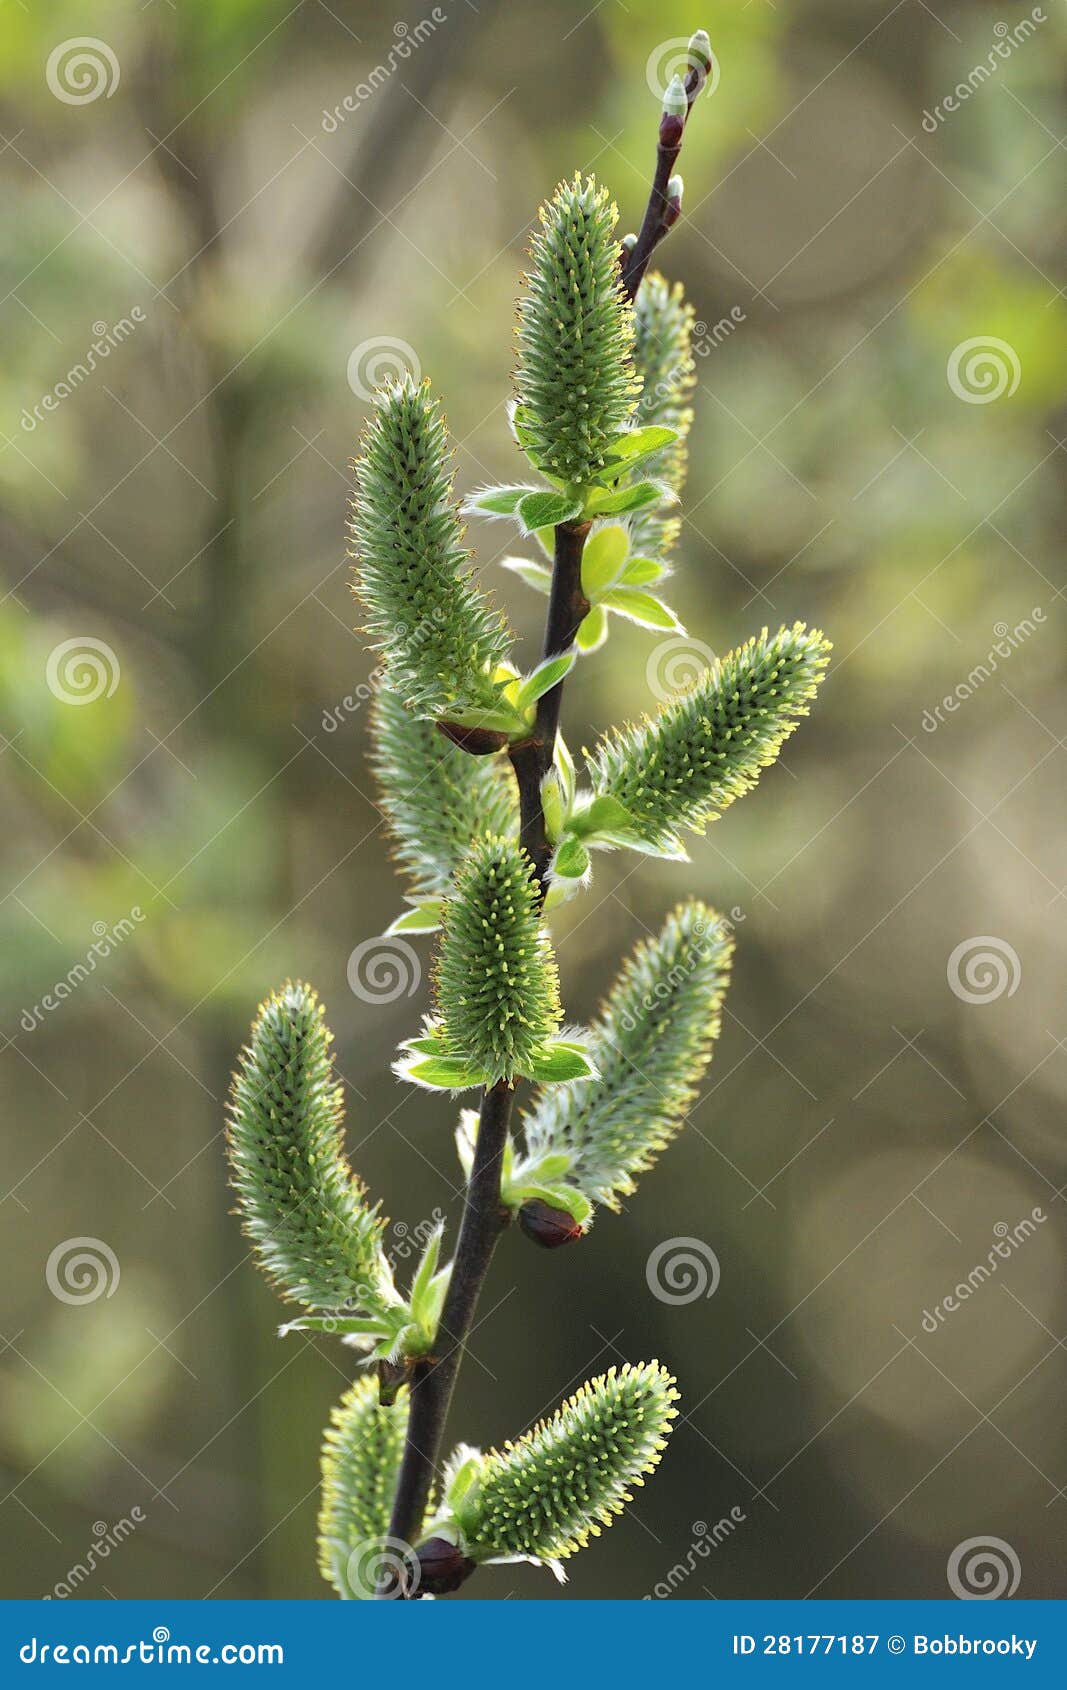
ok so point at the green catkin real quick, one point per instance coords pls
(553, 1489)
(651, 1044)
(708, 745)
(663, 354)
(361, 1454)
(434, 796)
(575, 379)
(440, 639)
(496, 984)
(314, 1234)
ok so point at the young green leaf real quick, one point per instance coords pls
(534, 574)
(559, 1060)
(652, 1043)
(314, 1234)
(709, 745)
(423, 917)
(642, 495)
(544, 1496)
(496, 985)
(575, 375)
(642, 608)
(571, 860)
(603, 559)
(642, 572)
(440, 639)
(434, 798)
(545, 510)
(547, 675)
(497, 501)
(592, 631)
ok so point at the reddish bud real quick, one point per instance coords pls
(547, 1226)
(442, 1568)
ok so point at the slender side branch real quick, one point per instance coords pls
(662, 210)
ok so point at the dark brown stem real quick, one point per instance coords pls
(567, 608)
(433, 1378)
(656, 222)
(653, 228)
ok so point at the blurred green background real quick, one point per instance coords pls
(865, 1128)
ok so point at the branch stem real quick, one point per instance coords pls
(433, 1379)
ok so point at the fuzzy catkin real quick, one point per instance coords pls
(314, 1233)
(496, 984)
(663, 355)
(439, 637)
(560, 1483)
(434, 796)
(575, 379)
(361, 1455)
(651, 1043)
(709, 745)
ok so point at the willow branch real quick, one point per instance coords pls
(662, 210)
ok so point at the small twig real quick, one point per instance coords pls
(662, 210)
